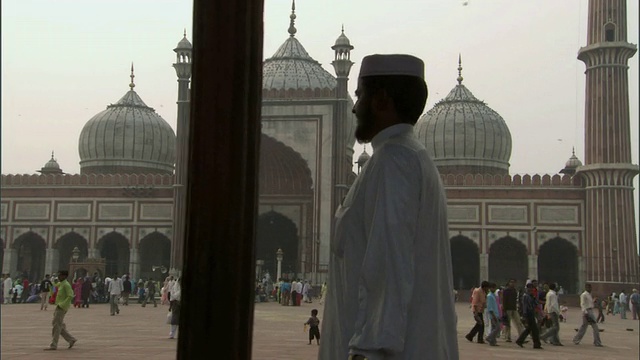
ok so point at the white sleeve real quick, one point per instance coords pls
(392, 205)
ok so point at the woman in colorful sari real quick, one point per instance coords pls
(77, 291)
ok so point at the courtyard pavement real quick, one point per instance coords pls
(278, 334)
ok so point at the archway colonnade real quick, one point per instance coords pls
(29, 254)
(555, 261)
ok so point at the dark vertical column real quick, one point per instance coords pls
(217, 287)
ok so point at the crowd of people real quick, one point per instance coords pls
(535, 311)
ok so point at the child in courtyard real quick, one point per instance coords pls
(564, 310)
(314, 327)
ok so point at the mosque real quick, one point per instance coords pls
(126, 204)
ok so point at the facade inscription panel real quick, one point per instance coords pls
(32, 211)
(512, 214)
(463, 213)
(156, 212)
(80, 211)
(558, 214)
(113, 211)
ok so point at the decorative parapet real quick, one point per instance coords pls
(281, 94)
(87, 179)
(512, 181)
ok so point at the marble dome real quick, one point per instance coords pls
(127, 137)
(463, 135)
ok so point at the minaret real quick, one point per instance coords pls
(610, 250)
(342, 166)
(183, 70)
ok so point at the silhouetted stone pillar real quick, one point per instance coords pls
(221, 204)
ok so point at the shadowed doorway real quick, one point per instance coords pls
(508, 259)
(558, 263)
(465, 260)
(276, 231)
(31, 250)
(65, 247)
(155, 250)
(114, 248)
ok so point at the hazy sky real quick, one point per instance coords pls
(64, 61)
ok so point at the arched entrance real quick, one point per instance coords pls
(31, 249)
(155, 250)
(275, 231)
(65, 247)
(508, 259)
(558, 263)
(465, 259)
(114, 248)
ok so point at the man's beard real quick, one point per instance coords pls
(365, 126)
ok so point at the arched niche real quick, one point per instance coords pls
(558, 263)
(155, 250)
(276, 231)
(114, 248)
(65, 246)
(465, 260)
(31, 250)
(508, 259)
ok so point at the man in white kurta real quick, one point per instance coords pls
(6, 288)
(390, 281)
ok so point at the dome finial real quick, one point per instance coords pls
(52, 158)
(185, 32)
(132, 85)
(343, 28)
(573, 150)
(460, 78)
(292, 27)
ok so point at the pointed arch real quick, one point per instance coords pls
(31, 249)
(65, 245)
(114, 248)
(465, 259)
(276, 231)
(508, 259)
(155, 250)
(558, 263)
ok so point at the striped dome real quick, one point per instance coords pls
(127, 137)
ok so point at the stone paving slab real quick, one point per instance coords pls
(278, 334)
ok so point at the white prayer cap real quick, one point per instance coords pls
(392, 64)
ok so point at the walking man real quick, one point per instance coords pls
(6, 290)
(478, 303)
(494, 315)
(126, 290)
(114, 289)
(45, 288)
(623, 305)
(634, 299)
(586, 304)
(552, 311)
(529, 308)
(391, 245)
(510, 307)
(151, 293)
(64, 297)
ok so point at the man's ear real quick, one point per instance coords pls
(380, 101)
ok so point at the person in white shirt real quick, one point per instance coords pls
(586, 305)
(390, 276)
(622, 299)
(6, 288)
(114, 289)
(174, 299)
(552, 311)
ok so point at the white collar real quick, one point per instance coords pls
(389, 132)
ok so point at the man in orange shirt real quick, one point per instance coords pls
(478, 303)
